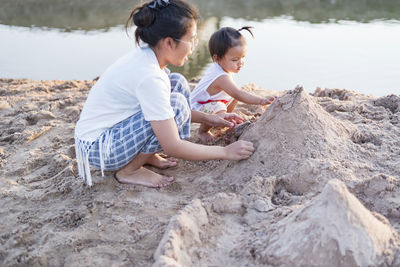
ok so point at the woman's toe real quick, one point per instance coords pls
(167, 181)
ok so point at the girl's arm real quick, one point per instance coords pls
(226, 83)
(166, 132)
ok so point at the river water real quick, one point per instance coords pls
(351, 44)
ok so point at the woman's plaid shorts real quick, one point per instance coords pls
(134, 135)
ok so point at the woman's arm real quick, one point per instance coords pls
(167, 134)
(228, 85)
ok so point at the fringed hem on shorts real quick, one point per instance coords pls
(82, 150)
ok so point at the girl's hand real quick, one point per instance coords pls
(223, 120)
(239, 150)
(231, 117)
(268, 100)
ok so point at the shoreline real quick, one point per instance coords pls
(193, 81)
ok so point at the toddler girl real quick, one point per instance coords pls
(216, 91)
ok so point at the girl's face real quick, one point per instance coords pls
(185, 46)
(233, 60)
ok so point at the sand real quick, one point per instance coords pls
(321, 189)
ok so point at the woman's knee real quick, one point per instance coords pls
(181, 107)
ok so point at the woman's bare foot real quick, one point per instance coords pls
(143, 176)
(157, 161)
(206, 137)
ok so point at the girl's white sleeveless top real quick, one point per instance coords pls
(200, 94)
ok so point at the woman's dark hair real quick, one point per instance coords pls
(159, 19)
(226, 38)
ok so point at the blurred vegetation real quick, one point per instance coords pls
(102, 14)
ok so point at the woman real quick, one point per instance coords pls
(138, 108)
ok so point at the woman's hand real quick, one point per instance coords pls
(167, 134)
(239, 150)
(224, 120)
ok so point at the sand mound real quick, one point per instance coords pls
(297, 141)
(305, 141)
(333, 228)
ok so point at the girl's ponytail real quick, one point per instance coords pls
(247, 28)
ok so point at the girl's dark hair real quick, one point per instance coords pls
(226, 38)
(159, 19)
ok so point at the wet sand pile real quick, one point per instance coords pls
(322, 186)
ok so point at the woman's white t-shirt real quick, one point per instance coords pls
(134, 83)
(200, 94)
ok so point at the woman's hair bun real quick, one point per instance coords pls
(144, 17)
(158, 19)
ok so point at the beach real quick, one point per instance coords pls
(323, 185)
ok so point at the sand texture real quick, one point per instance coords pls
(321, 189)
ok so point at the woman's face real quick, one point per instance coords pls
(185, 46)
